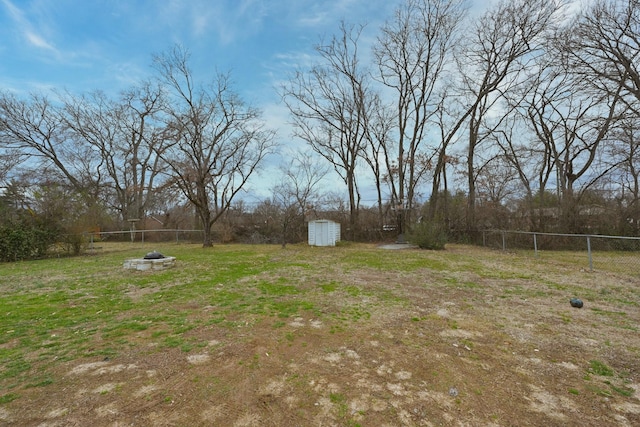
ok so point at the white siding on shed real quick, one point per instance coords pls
(323, 232)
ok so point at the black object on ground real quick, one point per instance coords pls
(154, 255)
(576, 302)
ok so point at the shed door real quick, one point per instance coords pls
(322, 233)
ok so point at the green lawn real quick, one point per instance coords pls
(56, 314)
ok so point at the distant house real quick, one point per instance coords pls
(323, 232)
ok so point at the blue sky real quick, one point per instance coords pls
(107, 45)
(83, 45)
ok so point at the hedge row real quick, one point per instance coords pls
(24, 241)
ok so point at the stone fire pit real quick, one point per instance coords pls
(151, 261)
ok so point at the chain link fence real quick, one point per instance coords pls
(142, 236)
(123, 240)
(591, 252)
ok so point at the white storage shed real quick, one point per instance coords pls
(323, 232)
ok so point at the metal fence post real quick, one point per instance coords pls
(504, 241)
(535, 244)
(589, 251)
(484, 239)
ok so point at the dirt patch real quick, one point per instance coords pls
(383, 348)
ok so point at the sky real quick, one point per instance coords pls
(82, 46)
(108, 45)
(87, 45)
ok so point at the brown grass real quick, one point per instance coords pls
(345, 336)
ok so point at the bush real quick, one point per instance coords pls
(73, 243)
(21, 241)
(15, 244)
(428, 235)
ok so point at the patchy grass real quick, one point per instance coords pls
(599, 368)
(351, 335)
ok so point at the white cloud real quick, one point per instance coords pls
(229, 20)
(315, 19)
(329, 12)
(200, 23)
(293, 60)
(24, 26)
(37, 41)
(15, 13)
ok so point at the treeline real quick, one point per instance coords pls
(530, 110)
(94, 161)
(524, 116)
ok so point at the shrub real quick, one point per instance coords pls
(22, 241)
(73, 243)
(428, 235)
(14, 243)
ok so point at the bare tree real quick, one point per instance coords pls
(602, 48)
(376, 154)
(296, 194)
(127, 135)
(497, 181)
(572, 126)
(503, 44)
(34, 128)
(530, 161)
(328, 105)
(216, 141)
(448, 120)
(59, 169)
(14, 200)
(10, 158)
(303, 176)
(625, 153)
(497, 186)
(286, 210)
(412, 54)
(520, 138)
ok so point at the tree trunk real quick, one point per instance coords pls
(471, 198)
(207, 241)
(353, 207)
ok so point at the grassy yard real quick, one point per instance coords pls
(350, 335)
